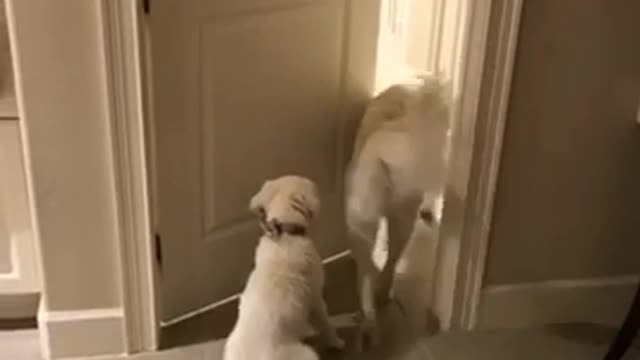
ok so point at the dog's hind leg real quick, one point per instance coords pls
(366, 197)
(401, 220)
(362, 235)
(362, 232)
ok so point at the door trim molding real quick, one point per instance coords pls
(454, 56)
(486, 82)
(124, 74)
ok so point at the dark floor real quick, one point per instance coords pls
(201, 338)
(560, 342)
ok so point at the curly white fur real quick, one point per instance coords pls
(282, 299)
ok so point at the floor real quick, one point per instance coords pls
(560, 342)
(19, 345)
(400, 339)
(217, 323)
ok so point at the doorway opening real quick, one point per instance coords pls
(229, 80)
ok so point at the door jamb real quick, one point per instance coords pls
(486, 71)
(123, 52)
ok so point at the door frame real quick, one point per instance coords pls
(124, 40)
(484, 52)
(486, 65)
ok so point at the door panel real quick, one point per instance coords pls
(276, 103)
(242, 91)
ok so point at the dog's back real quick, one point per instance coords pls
(394, 104)
(275, 303)
(400, 155)
(402, 143)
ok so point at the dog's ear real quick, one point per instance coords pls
(261, 199)
(314, 201)
(258, 203)
(311, 201)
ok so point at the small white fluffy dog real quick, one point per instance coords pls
(397, 172)
(283, 298)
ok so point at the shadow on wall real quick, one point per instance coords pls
(6, 71)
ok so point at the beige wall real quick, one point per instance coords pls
(568, 198)
(61, 80)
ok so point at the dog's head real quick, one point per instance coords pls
(287, 204)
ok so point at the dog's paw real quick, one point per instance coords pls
(335, 343)
(368, 336)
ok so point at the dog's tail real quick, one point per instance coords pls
(431, 105)
(296, 351)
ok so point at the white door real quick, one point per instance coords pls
(243, 91)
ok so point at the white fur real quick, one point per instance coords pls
(398, 167)
(283, 296)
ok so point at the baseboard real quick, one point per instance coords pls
(208, 351)
(601, 301)
(22, 306)
(82, 333)
(216, 321)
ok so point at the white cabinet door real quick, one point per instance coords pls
(244, 91)
(18, 271)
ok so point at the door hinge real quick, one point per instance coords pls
(158, 241)
(146, 6)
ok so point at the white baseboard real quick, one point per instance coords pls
(601, 301)
(82, 333)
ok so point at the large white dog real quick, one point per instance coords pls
(397, 171)
(283, 296)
